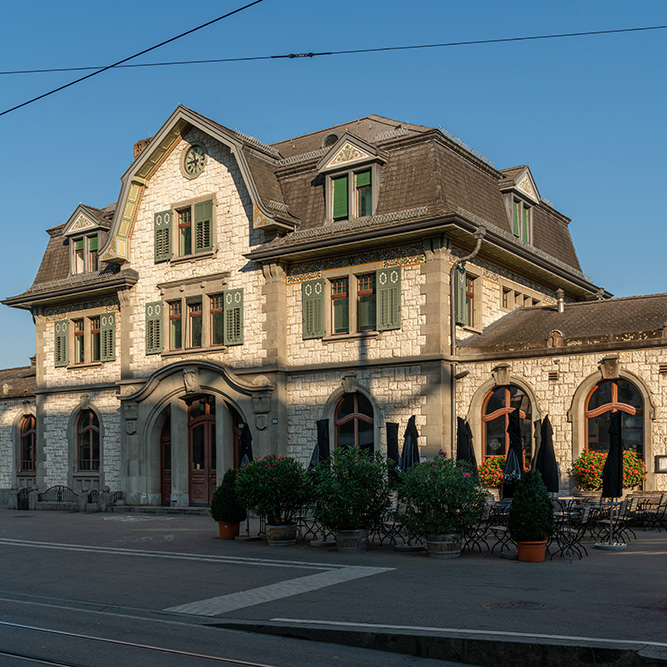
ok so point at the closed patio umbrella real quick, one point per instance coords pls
(545, 461)
(321, 451)
(464, 448)
(612, 477)
(245, 446)
(410, 453)
(513, 464)
(392, 446)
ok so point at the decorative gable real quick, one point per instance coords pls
(80, 222)
(526, 186)
(348, 151)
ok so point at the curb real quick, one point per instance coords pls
(472, 649)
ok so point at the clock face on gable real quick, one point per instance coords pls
(195, 158)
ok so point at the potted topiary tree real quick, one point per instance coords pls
(531, 517)
(443, 501)
(226, 508)
(278, 488)
(351, 495)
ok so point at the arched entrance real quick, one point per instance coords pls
(201, 447)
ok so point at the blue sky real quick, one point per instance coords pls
(586, 113)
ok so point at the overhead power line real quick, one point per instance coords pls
(124, 64)
(136, 55)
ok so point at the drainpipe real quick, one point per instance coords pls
(479, 235)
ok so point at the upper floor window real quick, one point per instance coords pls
(84, 254)
(352, 194)
(191, 235)
(467, 298)
(522, 220)
(196, 322)
(92, 339)
(358, 303)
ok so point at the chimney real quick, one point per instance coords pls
(139, 147)
(560, 295)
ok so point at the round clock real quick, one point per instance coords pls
(194, 160)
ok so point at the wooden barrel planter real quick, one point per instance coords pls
(443, 546)
(281, 536)
(352, 541)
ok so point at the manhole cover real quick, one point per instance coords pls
(513, 604)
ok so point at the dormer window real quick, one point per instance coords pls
(84, 254)
(352, 193)
(522, 220)
(351, 171)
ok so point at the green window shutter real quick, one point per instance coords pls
(460, 295)
(92, 243)
(203, 217)
(60, 337)
(388, 283)
(312, 309)
(78, 244)
(162, 229)
(340, 197)
(525, 223)
(154, 327)
(363, 178)
(233, 312)
(107, 337)
(516, 218)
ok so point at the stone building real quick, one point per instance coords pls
(236, 283)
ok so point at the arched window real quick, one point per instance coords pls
(611, 396)
(28, 438)
(495, 417)
(88, 442)
(353, 421)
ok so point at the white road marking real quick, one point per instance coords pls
(233, 601)
(464, 631)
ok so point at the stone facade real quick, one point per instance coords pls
(167, 419)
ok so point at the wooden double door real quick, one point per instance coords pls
(202, 461)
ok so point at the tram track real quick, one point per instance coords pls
(120, 644)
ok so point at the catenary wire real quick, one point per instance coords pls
(314, 54)
(136, 55)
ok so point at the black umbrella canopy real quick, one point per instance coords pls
(513, 464)
(321, 451)
(612, 473)
(545, 461)
(410, 454)
(245, 446)
(464, 448)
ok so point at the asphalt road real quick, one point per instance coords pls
(135, 589)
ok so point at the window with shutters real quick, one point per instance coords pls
(190, 235)
(467, 298)
(357, 304)
(83, 254)
(522, 220)
(351, 194)
(195, 323)
(93, 340)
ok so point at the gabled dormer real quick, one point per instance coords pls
(351, 171)
(521, 196)
(83, 232)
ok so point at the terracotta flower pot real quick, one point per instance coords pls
(228, 529)
(531, 552)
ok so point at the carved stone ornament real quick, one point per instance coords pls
(131, 426)
(349, 383)
(501, 375)
(610, 367)
(261, 422)
(191, 380)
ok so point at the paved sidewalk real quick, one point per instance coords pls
(608, 608)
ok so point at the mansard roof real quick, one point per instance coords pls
(613, 321)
